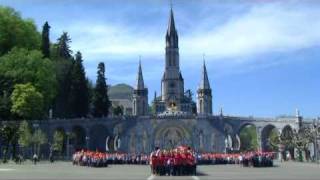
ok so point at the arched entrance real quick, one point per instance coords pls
(78, 139)
(286, 140)
(171, 136)
(60, 141)
(98, 137)
(270, 138)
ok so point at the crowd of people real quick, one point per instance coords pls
(99, 159)
(176, 162)
(249, 159)
(179, 161)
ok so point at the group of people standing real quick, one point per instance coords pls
(249, 159)
(175, 162)
(180, 161)
(100, 159)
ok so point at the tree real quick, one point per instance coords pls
(101, 103)
(248, 139)
(5, 105)
(16, 32)
(38, 138)
(21, 66)
(61, 55)
(58, 141)
(25, 135)
(63, 47)
(79, 93)
(27, 102)
(45, 46)
(118, 111)
(9, 136)
(274, 140)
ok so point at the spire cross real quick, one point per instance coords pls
(171, 4)
(203, 57)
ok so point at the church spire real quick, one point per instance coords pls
(172, 35)
(204, 83)
(171, 25)
(140, 82)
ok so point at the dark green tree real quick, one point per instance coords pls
(9, 137)
(17, 32)
(63, 47)
(101, 103)
(118, 110)
(5, 105)
(79, 94)
(45, 46)
(61, 55)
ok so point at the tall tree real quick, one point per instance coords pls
(45, 46)
(101, 101)
(64, 62)
(64, 50)
(79, 94)
(38, 138)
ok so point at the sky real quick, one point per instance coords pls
(262, 56)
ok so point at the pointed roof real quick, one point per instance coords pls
(140, 82)
(204, 83)
(171, 25)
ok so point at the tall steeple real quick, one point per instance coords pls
(172, 84)
(140, 95)
(204, 99)
(140, 82)
(204, 83)
(172, 35)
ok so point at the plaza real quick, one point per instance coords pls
(66, 171)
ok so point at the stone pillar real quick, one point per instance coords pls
(259, 129)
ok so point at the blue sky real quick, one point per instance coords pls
(263, 56)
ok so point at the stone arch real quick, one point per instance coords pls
(286, 135)
(266, 132)
(248, 139)
(172, 134)
(62, 130)
(78, 139)
(98, 137)
(229, 137)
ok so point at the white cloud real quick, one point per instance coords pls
(264, 28)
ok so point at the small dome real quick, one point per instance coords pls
(120, 91)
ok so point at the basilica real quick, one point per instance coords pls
(175, 120)
(173, 98)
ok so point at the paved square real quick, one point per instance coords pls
(66, 171)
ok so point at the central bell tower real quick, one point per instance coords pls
(172, 83)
